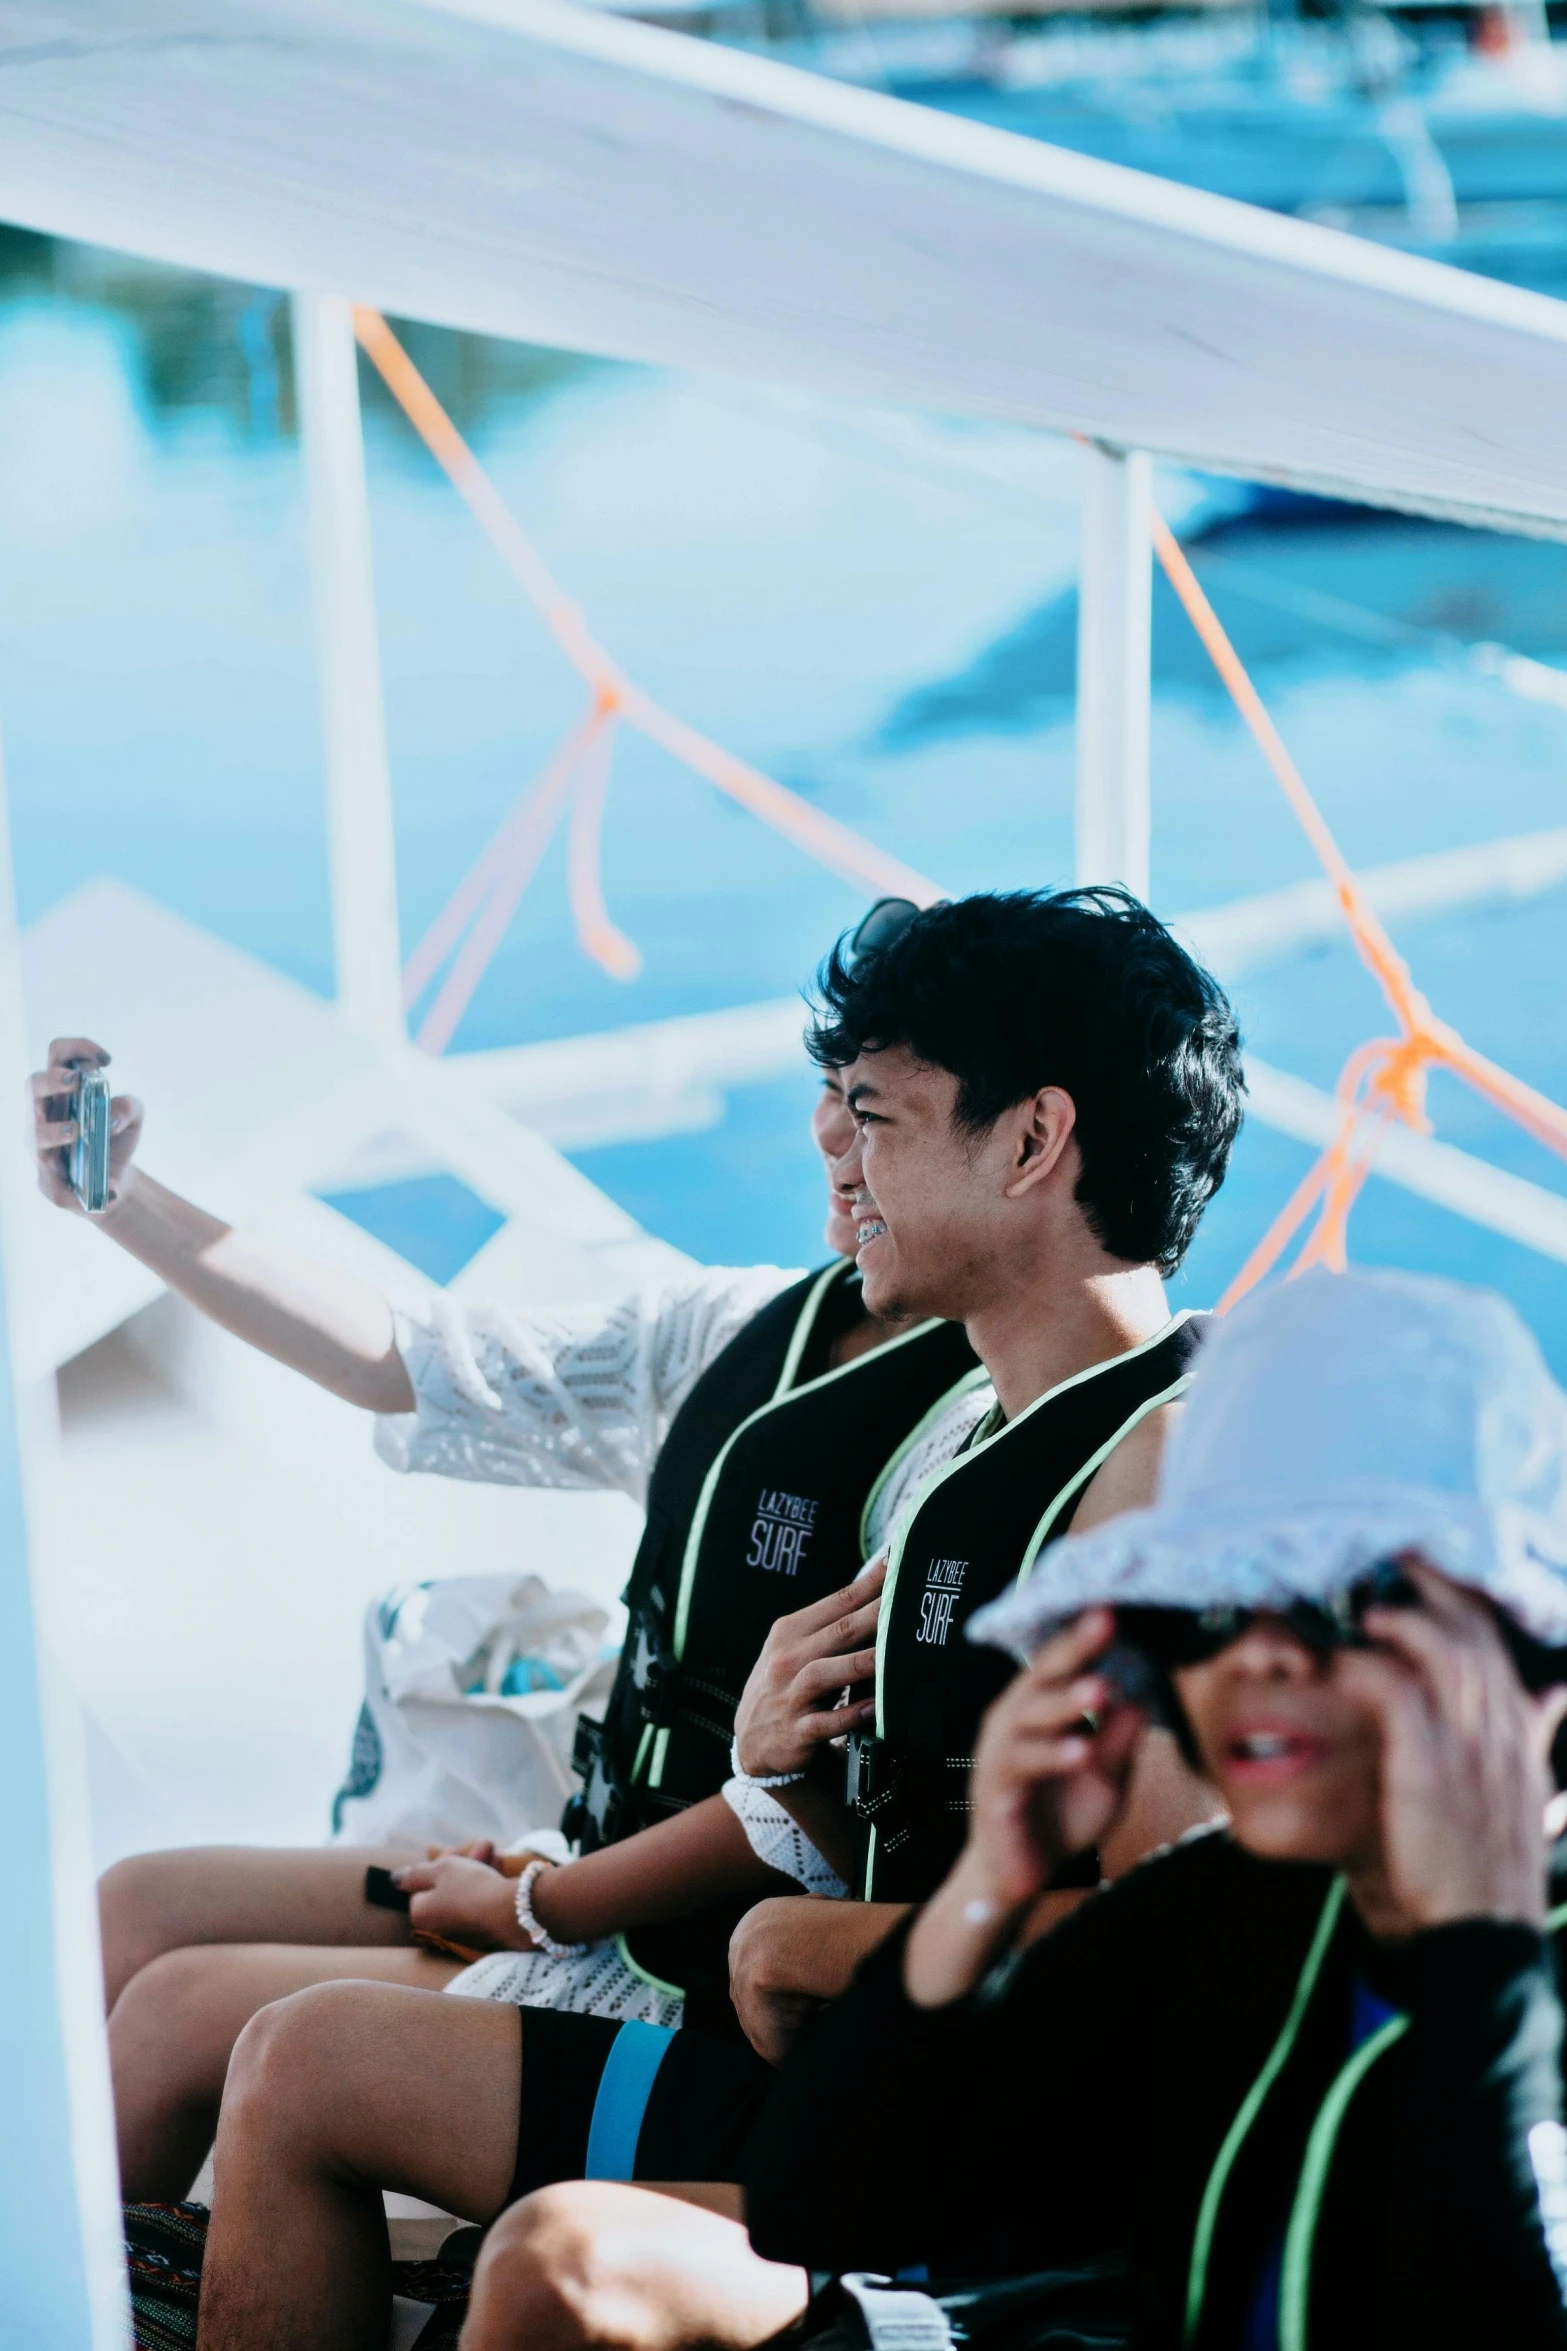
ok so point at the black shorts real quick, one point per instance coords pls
(603, 2100)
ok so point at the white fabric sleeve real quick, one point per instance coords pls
(945, 1437)
(568, 1397)
(777, 1839)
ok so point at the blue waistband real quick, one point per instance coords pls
(625, 2085)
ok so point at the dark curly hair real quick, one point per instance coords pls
(1081, 989)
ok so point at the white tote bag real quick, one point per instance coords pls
(473, 1686)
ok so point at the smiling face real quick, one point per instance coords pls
(940, 1214)
(1295, 1757)
(833, 1132)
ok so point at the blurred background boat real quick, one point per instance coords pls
(1435, 126)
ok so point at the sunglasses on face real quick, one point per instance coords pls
(1174, 1637)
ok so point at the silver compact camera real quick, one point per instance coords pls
(89, 1153)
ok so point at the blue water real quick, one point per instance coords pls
(875, 608)
(436, 1222)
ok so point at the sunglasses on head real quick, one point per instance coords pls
(1173, 1637)
(886, 923)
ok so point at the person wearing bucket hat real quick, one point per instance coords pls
(1302, 2073)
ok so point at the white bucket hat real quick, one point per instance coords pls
(1332, 1422)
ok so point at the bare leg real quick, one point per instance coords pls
(174, 2028)
(594, 2264)
(334, 2095)
(157, 1902)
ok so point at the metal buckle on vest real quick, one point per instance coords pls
(871, 1774)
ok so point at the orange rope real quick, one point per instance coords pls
(1386, 1078)
(834, 845)
(596, 934)
(536, 818)
(471, 892)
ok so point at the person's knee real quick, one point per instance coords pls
(134, 1921)
(281, 2093)
(164, 2017)
(540, 2280)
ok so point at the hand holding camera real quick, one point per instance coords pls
(84, 1136)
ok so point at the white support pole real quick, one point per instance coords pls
(62, 2246)
(1114, 593)
(358, 779)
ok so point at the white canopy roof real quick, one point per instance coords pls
(535, 170)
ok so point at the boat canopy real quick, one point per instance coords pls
(529, 169)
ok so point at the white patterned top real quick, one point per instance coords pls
(583, 1397)
(564, 1396)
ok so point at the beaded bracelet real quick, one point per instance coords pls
(529, 1924)
(759, 1779)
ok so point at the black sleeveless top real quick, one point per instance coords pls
(977, 1530)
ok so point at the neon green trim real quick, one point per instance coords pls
(981, 1444)
(1277, 2058)
(785, 1391)
(1295, 2281)
(1556, 1919)
(870, 1862)
(797, 1344)
(799, 1337)
(675, 1991)
(971, 1380)
(642, 1748)
(1095, 1461)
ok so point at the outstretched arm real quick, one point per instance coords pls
(335, 1330)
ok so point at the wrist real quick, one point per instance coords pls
(534, 1927)
(987, 1888)
(504, 1923)
(540, 1901)
(1512, 1906)
(126, 1200)
(759, 1774)
(956, 1937)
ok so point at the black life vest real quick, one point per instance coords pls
(756, 1507)
(977, 1529)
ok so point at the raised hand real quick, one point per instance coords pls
(789, 1706)
(1050, 1774)
(1465, 1769)
(54, 1126)
(1047, 1783)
